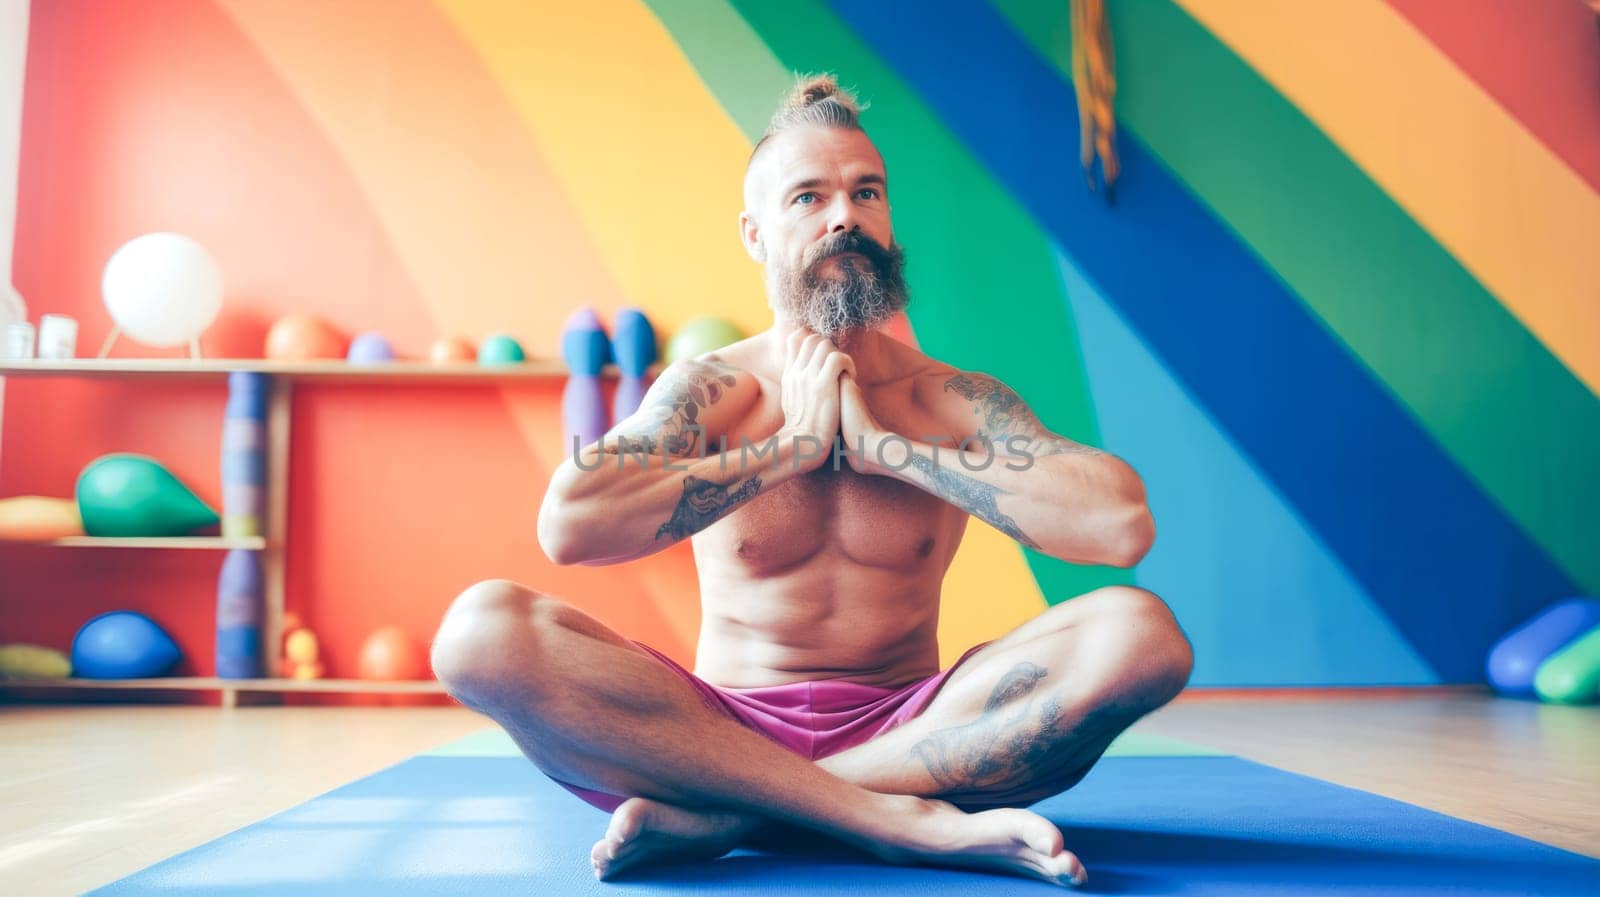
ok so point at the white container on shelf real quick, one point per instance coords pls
(19, 340)
(58, 336)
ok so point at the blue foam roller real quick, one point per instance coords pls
(244, 466)
(1515, 659)
(629, 395)
(633, 342)
(584, 345)
(584, 415)
(248, 393)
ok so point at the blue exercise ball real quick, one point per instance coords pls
(122, 644)
(371, 347)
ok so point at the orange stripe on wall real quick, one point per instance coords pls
(475, 213)
(469, 201)
(1498, 199)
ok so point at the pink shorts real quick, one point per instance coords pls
(812, 719)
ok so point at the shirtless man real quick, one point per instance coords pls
(817, 699)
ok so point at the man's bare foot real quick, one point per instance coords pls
(644, 831)
(1014, 841)
(936, 833)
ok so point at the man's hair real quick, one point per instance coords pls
(813, 101)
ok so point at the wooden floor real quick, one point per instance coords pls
(93, 793)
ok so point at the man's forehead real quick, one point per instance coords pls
(815, 153)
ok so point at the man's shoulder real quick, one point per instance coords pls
(936, 381)
(960, 397)
(707, 388)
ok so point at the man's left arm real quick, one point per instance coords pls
(1060, 497)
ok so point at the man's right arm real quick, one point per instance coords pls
(660, 475)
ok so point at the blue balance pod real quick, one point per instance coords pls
(122, 644)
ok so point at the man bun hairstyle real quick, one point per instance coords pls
(813, 101)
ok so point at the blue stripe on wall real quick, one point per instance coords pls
(1261, 598)
(1444, 563)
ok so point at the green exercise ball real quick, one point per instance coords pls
(501, 349)
(1572, 675)
(700, 336)
(133, 495)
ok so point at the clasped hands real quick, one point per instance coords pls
(822, 399)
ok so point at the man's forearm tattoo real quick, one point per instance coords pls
(674, 413)
(1017, 741)
(703, 502)
(971, 495)
(1005, 417)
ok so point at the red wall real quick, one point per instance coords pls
(160, 115)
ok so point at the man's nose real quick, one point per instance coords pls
(842, 216)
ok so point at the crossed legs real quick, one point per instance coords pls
(1023, 718)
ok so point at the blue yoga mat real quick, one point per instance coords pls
(476, 822)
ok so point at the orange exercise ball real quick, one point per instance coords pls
(390, 655)
(302, 337)
(448, 349)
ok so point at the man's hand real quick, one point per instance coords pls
(813, 366)
(861, 431)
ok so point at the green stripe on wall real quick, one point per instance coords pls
(1515, 419)
(987, 294)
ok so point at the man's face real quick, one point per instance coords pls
(818, 216)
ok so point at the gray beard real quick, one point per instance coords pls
(859, 296)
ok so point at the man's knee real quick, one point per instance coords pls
(491, 638)
(1147, 656)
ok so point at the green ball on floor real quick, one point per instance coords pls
(1572, 675)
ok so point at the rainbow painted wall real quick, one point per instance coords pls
(1344, 315)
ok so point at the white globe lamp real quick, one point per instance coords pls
(162, 290)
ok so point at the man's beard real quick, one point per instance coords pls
(864, 292)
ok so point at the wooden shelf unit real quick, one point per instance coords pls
(273, 546)
(213, 543)
(230, 688)
(465, 373)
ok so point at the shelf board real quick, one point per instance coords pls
(412, 372)
(215, 543)
(212, 683)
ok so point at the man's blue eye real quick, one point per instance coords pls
(803, 196)
(871, 193)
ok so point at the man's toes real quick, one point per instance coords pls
(1041, 834)
(627, 820)
(1070, 870)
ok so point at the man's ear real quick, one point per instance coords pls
(750, 235)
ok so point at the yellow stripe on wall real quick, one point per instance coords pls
(649, 160)
(988, 592)
(1509, 210)
(588, 211)
(667, 209)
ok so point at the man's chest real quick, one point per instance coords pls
(878, 521)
